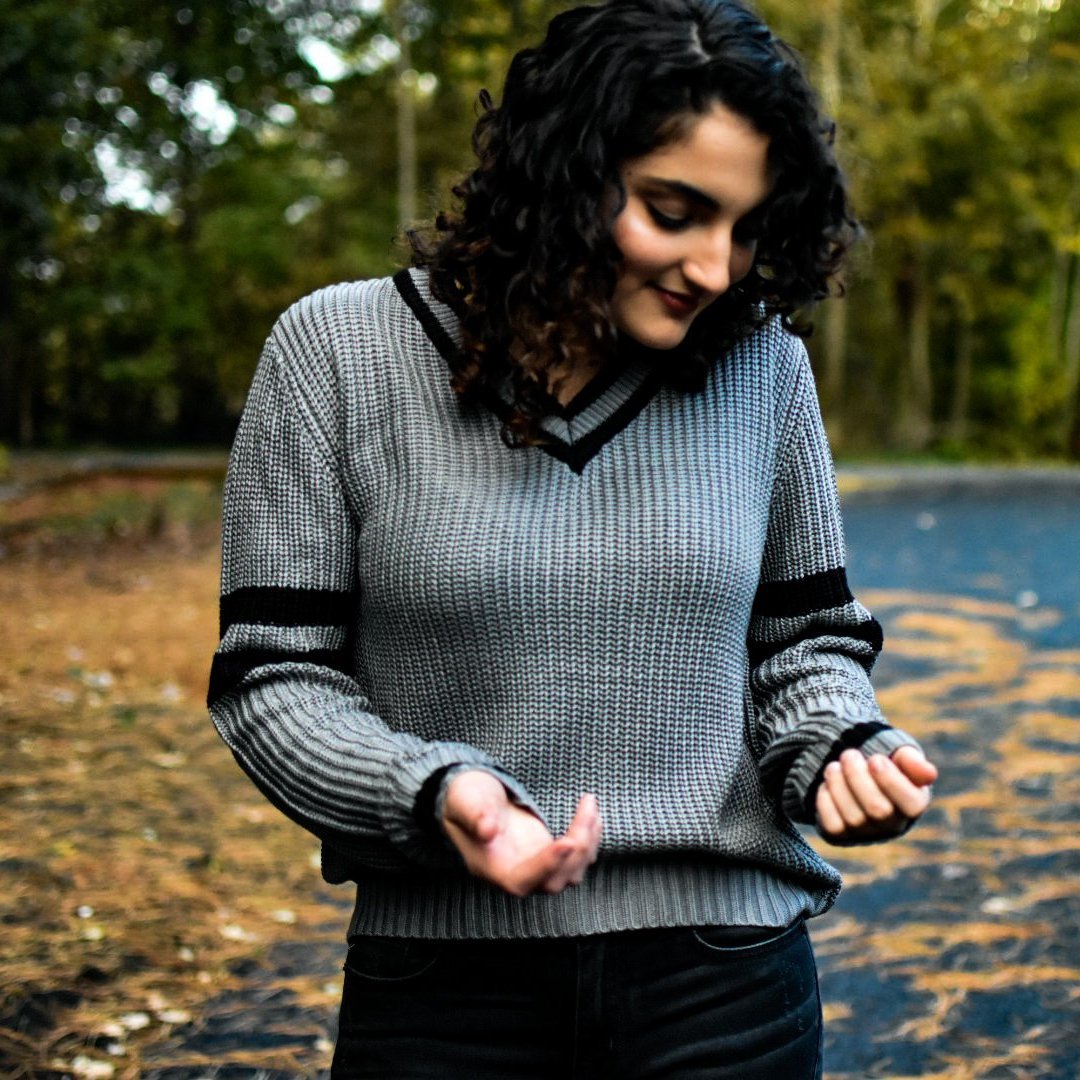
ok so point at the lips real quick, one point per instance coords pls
(676, 302)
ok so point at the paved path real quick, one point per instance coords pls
(953, 954)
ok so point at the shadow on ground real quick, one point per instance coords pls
(160, 922)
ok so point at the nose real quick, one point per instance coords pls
(710, 266)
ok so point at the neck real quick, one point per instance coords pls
(566, 382)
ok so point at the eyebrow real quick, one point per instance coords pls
(686, 190)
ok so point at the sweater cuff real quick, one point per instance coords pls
(515, 792)
(808, 769)
(414, 790)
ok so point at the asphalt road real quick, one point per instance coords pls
(954, 952)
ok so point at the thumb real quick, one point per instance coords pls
(914, 765)
(475, 803)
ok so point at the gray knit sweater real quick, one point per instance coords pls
(652, 607)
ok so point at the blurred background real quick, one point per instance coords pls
(174, 174)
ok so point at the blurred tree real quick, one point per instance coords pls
(173, 173)
(130, 107)
(41, 47)
(1049, 104)
(950, 113)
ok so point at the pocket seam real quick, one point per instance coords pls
(762, 947)
(357, 973)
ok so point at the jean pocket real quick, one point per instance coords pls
(386, 959)
(744, 942)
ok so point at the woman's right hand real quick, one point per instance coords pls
(512, 848)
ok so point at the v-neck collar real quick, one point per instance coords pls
(577, 431)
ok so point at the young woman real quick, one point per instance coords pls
(534, 606)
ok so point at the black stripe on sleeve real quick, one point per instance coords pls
(803, 596)
(230, 669)
(851, 739)
(868, 631)
(267, 605)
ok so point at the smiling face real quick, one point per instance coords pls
(687, 231)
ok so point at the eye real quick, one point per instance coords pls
(670, 222)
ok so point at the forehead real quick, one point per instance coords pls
(718, 152)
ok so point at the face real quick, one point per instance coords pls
(687, 232)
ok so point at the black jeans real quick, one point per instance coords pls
(687, 1002)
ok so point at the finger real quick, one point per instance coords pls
(830, 821)
(914, 765)
(588, 821)
(876, 804)
(596, 835)
(909, 799)
(584, 830)
(585, 813)
(596, 825)
(546, 871)
(578, 858)
(843, 798)
(580, 843)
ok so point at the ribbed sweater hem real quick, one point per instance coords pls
(617, 895)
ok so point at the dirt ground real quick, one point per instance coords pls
(160, 920)
(141, 870)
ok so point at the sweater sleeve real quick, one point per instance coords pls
(811, 644)
(284, 694)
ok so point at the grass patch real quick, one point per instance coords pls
(107, 508)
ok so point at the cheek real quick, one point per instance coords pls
(742, 261)
(642, 250)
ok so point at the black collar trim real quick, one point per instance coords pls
(608, 418)
(591, 392)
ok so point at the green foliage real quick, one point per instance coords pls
(172, 175)
(960, 124)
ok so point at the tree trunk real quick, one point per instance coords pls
(17, 368)
(832, 23)
(8, 363)
(517, 19)
(834, 315)
(914, 413)
(1059, 313)
(926, 17)
(406, 121)
(835, 363)
(961, 390)
(24, 434)
(1071, 350)
(199, 408)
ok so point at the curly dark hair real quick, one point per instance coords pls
(527, 260)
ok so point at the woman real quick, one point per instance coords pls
(554, 700)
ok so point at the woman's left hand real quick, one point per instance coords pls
(865, 799)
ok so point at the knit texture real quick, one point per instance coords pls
(652, 608)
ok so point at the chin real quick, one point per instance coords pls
(663, 339)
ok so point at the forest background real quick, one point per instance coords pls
(173, 173)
